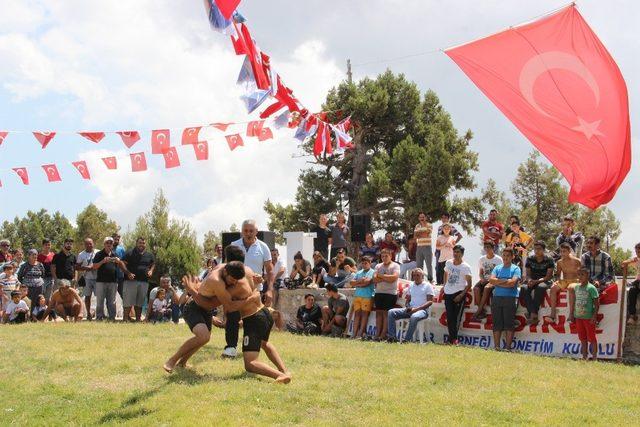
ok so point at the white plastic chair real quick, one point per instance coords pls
(421, 329)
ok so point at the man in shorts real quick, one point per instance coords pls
(504, 279)
(386, 294)
(566, 274)
(66, 302)
(483, 289)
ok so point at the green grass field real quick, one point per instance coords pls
(79, 374)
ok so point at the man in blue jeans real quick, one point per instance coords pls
(419, 298)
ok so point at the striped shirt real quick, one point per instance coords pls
(426, 240)
(600, 266)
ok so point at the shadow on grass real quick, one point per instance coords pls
(121, 415)
(191, 377)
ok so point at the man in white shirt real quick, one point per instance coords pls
(84, 264)
(457, 282)
(483, 289)
(419, 298)
(279, 268)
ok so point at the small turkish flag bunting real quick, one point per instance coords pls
(129, 137)
(265, 133)
(227, 7)
(3, 135)
(234, 141)
(202, 150)
(160, 141)
(111, 162)
(22, 173)
(52, 173)
(93, 136)
(81, 166)
(221, 126)
(190, 135)
(253, 128)
(44, 138)
(171, 159)
(138, 162)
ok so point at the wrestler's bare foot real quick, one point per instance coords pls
(168, 366)
(183, 365)
(284, 378)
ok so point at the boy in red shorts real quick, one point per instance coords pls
(583, 309)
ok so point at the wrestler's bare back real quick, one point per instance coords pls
(243, 289)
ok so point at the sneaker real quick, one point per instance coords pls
(230, 352)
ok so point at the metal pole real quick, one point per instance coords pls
(349, 73)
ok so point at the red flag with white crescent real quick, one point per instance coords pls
(234, 141)
(22, 174)
(171, 159)
(554, 79)
(138, 162)
(110, 162)
(254, 127)
(129, 137)
(52, 173)
(160, 141)
(82, 168)
(202, 150)
(221, 126)
(3, 135)
(265, 133)
(44, 138)
(190, 135)
(93, 136)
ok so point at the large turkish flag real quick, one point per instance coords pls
(557, 83)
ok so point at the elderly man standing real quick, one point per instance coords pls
(106, 262)
(138, 265)
(257, 257)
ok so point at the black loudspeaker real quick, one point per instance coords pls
(269, 237)
(360, 226)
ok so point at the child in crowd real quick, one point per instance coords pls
(159, 311)
(17, 310)
(8, 283)
(24, 291)
(40, 308)
(583, 308)
(363, 301)
(444, 243)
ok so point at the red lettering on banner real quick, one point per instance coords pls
(558, 326)
(443, 319)
(470, 324)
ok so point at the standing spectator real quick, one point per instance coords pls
(584, 310)
(8, 283)
(45, 257)
(308, 317)
(363, 297)
(339, 233)
(446, 219)
(386, 292)
(409, 260)
(323, 236)
(5, 256)
(320, 268)
(504, 303)
(334, 314)
(84, 264)
(31, 274)
(566, 275)
(63, 266)
(138, 265)
(208, 267)
(218, 258)
(170, 297)
(66, 302)
(419, 298)
(106, 263)
(390, 244)
(575, 239)
(279, 268)
(508, 231)
(301, 271)
(444, 243)
(634, 290)
(540, 269)
(422, 233)
(120, 251)
(457, 282)
(17, 310)
(370, 249)
(519, 241)
(483, 289)
(493, 230)
(18, 258)
(598, 263)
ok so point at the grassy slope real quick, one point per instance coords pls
(109, 373)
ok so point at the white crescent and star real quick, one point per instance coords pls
(137, 158)
(202, 147)
(547, 61)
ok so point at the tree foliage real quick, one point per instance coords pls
(211, 239)
(27, 232)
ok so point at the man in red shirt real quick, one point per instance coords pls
(5, 256)
(390, 244)
(493, 230)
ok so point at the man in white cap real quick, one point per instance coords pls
(106, 262)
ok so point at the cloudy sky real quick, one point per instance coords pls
(75, 65)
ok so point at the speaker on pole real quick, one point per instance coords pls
(360, 226)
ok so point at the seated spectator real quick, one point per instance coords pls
(37, 314)
(483, 289)
(171, 299)
(345, 268)
(300, 272)
(363, 297)
(583, 309)
(390, 244)
(279, 268)
(308, 317)
(66, 302)
(512, 219)
(419, 298)
(24, 295)
(540, 267)
(457, 282)
(409, 262)
(159, 310)
(334, 314)
(566, 275)
(8, 283)
(320, 268)
(573, 238)
(599, 264)
(504, 303)
(634, 290)
(386, 296)
(17, 310)
(31, 274)
(444, 243)
(519, 241)
(370, 249)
